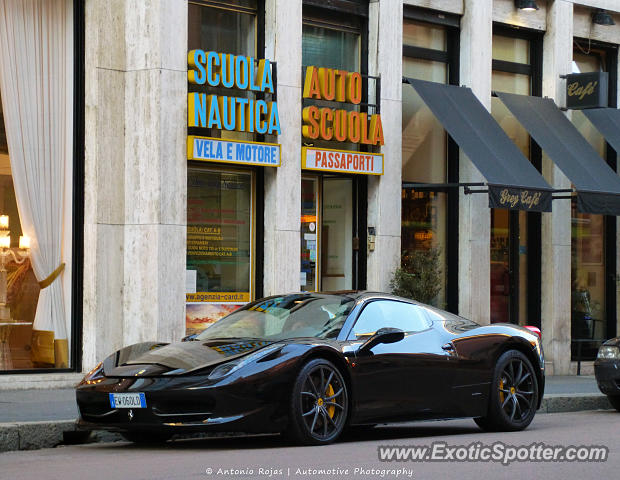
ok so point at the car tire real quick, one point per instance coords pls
(615, 401)
(513, 399)
(146, 437)
(319, 404)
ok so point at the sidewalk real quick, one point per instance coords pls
(31, 419)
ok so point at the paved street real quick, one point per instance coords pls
(191, 459)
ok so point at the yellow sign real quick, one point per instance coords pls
(218, 297)
(338, 124)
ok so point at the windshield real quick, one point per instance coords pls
(289, 316)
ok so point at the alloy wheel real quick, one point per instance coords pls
(323, 401)
(517, 390)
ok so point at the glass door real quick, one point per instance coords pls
(326, 234)
(337, 234)
(309, 234)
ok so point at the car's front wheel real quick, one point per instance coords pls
(514, 394)
(319, 404)
(615, 401)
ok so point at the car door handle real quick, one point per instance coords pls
(448, 347)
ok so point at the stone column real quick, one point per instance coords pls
(384, 192)
(135, 174)
(474, 215)
(556, 226)
(283, 184)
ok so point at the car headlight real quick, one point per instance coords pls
(609, 352)
(226, 369)
(95, 375)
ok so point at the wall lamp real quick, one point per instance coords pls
(527, 5)
(601, 17)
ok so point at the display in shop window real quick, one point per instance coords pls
(219, 244)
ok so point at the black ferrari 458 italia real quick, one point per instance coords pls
(310, 365)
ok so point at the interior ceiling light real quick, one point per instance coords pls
(527, 5)
(601, 17)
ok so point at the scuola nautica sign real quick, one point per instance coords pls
(232, 112)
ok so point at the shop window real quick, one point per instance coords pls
(513, 242)
(588, 235)
(424, 147)
(219, 243)
(220, 201)
(35, 186)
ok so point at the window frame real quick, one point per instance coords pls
(429, 322)
(451, 56)
(612, 276)
(534, 219)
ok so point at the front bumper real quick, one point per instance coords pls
(182, 405)
(607, 373)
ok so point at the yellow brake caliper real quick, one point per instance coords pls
(501, 387)
(328, 393)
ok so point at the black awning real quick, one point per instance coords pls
(597, 185)
(513, 181)
(606, 121)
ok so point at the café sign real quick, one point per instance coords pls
(587, 90)
(519, 199)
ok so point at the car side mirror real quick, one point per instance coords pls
(383, 335)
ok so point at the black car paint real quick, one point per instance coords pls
(444, 371)
(607, 371)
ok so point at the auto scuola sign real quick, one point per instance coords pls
(230, 112)
(339, 124)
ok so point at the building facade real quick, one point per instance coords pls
(185, 157)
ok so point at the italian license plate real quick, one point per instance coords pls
(127, 400)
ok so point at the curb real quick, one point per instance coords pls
(559, 402)
(50, 434)
(47, 434)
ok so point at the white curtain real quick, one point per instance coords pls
(36, 84)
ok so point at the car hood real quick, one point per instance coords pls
(155, 359)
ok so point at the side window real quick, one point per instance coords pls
(388, 313)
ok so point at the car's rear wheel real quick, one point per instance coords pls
(319, 404)
(146, 437)
(514, 394)
(615, 401)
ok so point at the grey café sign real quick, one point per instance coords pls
(587, 90)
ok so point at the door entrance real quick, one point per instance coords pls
(329, 233)
(509, 265)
